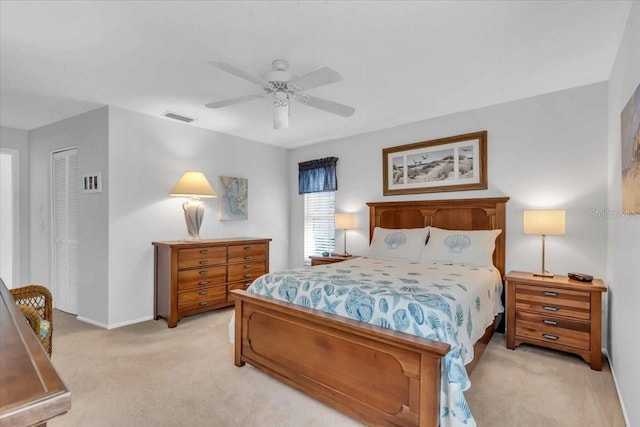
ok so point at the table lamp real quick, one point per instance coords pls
(544, 223)
(345, 221)
(193, 185)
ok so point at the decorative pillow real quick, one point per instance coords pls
(398, 243)
(473, 247)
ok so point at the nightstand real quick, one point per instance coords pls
(321, 260)
(556, 312)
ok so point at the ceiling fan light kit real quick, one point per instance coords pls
(280, 110)
(283, 86)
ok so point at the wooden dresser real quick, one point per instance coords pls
(196, 276)
(556, 312)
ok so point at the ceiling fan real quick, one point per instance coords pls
(284, 86)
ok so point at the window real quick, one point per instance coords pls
(319, 226)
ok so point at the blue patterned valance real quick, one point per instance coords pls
(318, 175)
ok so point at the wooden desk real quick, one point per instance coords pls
(31, 392)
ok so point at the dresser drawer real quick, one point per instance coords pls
(543, 300)
(572, 333)
(198, 257)
(242, 253)
(201, 298)
(195, 278)
(245, 271)
(238, 285)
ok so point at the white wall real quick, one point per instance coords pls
(17, 140)
(623, 272)
(147, 156)
(543, 152)
(547, 151)
(88, 132)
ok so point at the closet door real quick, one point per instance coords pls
(65, 230)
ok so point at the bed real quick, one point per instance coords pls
(377, 375)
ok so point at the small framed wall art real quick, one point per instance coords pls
(455, 163)
(233, 198)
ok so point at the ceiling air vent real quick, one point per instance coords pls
(175, 116)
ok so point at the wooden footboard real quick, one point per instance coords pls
(376, 375)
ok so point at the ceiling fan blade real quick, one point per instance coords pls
(321, 77)
(237, 100)
(237, 72)
(329, 106)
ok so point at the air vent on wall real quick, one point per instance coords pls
(175, 116)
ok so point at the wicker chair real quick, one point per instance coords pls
(36, 303)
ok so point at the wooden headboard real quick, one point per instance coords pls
(456, 214)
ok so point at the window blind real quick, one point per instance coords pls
(319, 224)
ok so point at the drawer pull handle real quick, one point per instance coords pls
(247, 257)
(246, 276)
(247, 266)
(202, 272)
(247, 283)
(203, 293)
(550, 322)
(550, 337)
(203, 303)
(247, 248)
(204, 262)
(550, 294)
(204, 251)
(550, 308)
(203, 282)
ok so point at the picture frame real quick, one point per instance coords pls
(233, 198)
(630, 154)
(454, 163)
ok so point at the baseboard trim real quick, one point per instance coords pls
(115, 325)
(92, 322)
(615, 381)
(130, 322)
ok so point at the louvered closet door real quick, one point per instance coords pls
(65, 230)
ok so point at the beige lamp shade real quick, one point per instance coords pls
(345, 221)
(544, 222)
(193, 184)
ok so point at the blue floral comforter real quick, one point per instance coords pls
(449, 303)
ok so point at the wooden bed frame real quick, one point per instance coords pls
(376, 375)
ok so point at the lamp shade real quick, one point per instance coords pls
(345, 221)
(544, 222)
(193, 184)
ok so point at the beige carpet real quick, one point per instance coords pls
(149, 375)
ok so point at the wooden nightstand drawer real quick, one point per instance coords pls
(560, 302)
(198, 257)
(323, 260)
(188, 279)
(201, 298)
(553, 329)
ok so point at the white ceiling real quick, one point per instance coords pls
(401, 61)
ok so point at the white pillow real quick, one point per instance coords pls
(398, 243)
(473, 247)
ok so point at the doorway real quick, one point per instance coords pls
(9, 218)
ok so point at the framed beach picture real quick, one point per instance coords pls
(455, 163)
(233, 198)
(630, 152)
